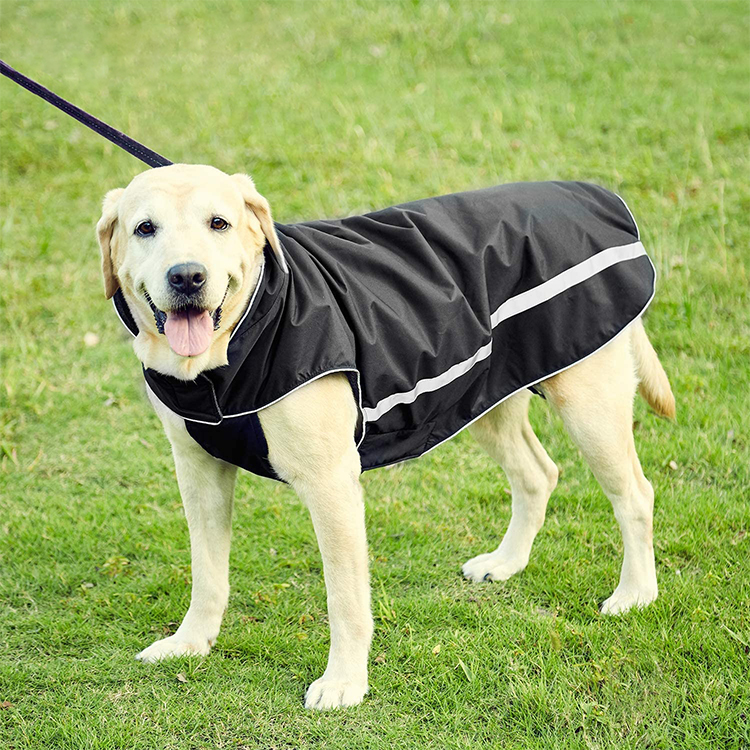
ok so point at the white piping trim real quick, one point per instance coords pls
(635, 223)
(296, 388)
(511, 307)
(127, 327)
(172, 411)
(252, 298)
(265, 406)
(280, 257)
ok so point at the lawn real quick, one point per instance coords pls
(337, 108)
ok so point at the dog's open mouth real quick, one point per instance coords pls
(188, 329)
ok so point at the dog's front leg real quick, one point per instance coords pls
(311, 445)
(337, 512)
(207, 489)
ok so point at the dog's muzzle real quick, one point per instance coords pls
(183, 305)
(188, 325)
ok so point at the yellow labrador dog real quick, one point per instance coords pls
(200, 218)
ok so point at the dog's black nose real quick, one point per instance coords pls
(187, 278)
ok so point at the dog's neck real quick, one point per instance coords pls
(154, 352)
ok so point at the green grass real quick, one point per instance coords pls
(337, 108)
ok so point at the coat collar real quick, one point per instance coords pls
(201, 400)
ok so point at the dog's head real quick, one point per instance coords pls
(184, 243)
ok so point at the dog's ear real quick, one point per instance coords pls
(104, 229)
(259, 206)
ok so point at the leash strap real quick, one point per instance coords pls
(119, 139)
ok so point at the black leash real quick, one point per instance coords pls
(119, 139)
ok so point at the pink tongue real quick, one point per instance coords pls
(189, 332)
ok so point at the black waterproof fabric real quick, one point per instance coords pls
(437, 309)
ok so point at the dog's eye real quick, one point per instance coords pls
(219, 224)
(145, 229)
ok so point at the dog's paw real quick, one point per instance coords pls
(325, 693)
(624, 599)
(492, 567)
(169, 648)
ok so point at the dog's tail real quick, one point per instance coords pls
(653, 385)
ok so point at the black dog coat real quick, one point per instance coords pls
(437, 310)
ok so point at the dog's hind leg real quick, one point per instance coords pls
(595, 401)
(506, 434)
